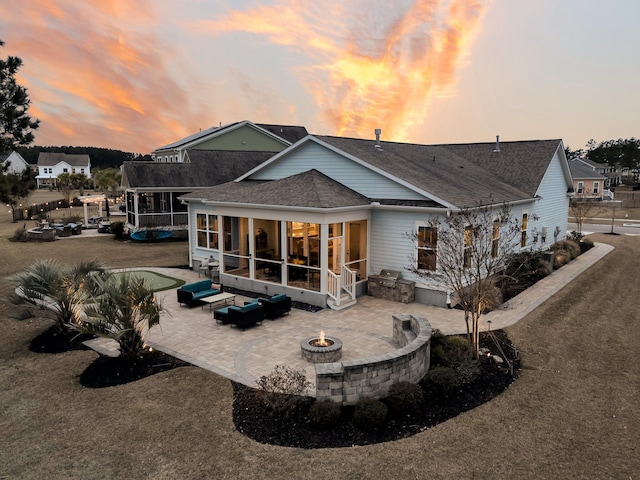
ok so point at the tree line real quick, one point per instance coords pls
(622, 153)
(101, 158)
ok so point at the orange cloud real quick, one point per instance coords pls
(96, 73)
(377, 65)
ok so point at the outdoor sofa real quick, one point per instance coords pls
(276, 306)
(191, 293)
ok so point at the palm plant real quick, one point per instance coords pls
(57, 288)
(122, 308)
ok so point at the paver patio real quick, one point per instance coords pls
(365, 328)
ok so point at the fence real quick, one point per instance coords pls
(35, 211)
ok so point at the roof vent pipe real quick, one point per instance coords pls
(378, 132)
(497, 149)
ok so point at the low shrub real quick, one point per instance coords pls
(284, 379)
(449, 350)
(569, 246)
(118, 230)
(440, 383)
(560, 258)
(324, 415)
(575, 236)
(281, 390)
(369, 414)
(20, 235)
(585, 244)
(522, 271)
(405, 398)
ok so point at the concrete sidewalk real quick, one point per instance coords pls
(365, 329)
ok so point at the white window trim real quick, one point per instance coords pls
(418, 248)
(524, 230)
(207, 230)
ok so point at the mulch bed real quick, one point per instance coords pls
(293, 428)
(105, 371)
(55, 341)
(110, 371)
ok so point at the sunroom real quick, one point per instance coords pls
(314, 248)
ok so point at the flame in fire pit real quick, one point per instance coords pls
(322, 342)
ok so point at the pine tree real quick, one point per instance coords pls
(16, 126)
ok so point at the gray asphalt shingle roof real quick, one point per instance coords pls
(456, 174)
(53, 158)
(519, 164)
(310, 189)
(207, 168)
(579, 170)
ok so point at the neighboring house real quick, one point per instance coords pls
(208, 158)
(612, 174)
(238, 136)
(587, 182)
(14, 162)
(52, 164)
(321, 216)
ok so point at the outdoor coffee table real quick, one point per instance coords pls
(227, 298)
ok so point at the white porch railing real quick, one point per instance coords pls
(333, 287)
(349, 281)
(336, 284)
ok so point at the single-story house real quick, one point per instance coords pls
(52, 164)
(317, 219)
(587, 181)
(14, 162)
(210, 157)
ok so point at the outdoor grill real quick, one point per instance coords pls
(388, 285)
(386, 278)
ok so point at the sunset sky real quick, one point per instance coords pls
(136, 74)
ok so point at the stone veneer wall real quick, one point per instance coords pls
(348, 381)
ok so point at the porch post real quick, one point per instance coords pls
(136, 211)
(324, 256)
(252, 249)
(284, 252)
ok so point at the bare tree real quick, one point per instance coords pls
(583, 206)
(467, 251)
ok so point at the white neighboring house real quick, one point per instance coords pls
(16, 163)
(52, 164)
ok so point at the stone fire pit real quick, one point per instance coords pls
(321, 349)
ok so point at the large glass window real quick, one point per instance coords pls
(356, 248)
(207, 231)
(303, 255)
(236, 246)
(268, 255)
(427, 248)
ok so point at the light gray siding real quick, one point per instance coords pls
(357, 177)
(553, 206)
(390, 247)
